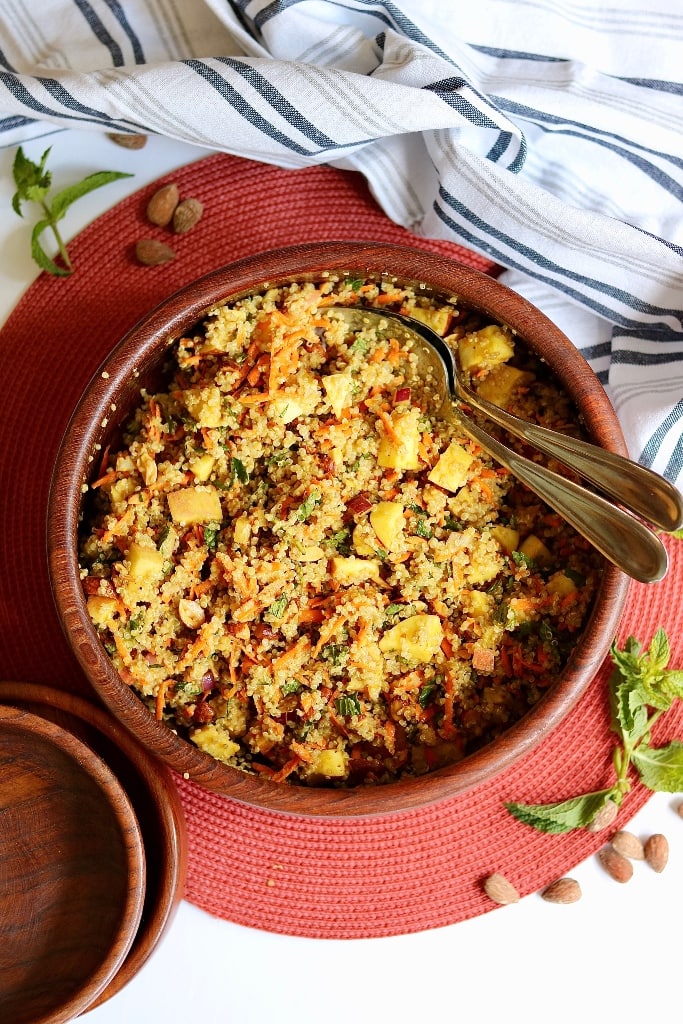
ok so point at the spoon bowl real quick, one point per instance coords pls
(619, 536)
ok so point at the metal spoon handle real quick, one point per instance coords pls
(634, 486)
(621, 538)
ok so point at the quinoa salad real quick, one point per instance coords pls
(299, 567)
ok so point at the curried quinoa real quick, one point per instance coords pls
(299, 567)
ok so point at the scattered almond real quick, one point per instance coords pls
(128, 141)
(615, 864)
(161, 207)
(186, 215)
(628, 845)
(498, 889)
(151, 253)
(604, 818)
(563, 890)
(657, 851)
(679, 810)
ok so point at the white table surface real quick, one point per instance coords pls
(615, 951)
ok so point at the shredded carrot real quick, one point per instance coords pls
(286, 770)
(160, 700)
(385, 298)
(103, 481)
(310, 615)
(389, 428)
(328, 630)
(302, 644)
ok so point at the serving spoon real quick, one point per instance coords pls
(626, 541)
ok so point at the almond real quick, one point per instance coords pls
(161, 207)
(615, 864)
(186, 215)
(628, 845)
(679, 810)
(562, 890)
(128, 141)
(657, 851)
(498, 889)
(604, 818)
(151, 253)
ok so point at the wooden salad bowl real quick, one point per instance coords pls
(135, 363)
(73, 871)
(154, 798)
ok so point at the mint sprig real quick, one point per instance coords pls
(641, 689)
(33, 184)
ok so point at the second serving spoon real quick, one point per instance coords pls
(619, 536)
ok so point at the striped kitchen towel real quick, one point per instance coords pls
(544, 135)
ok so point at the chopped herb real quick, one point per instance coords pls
(291, 686)
(347, 705)
(361, 346)
(393, 609)
(426, 694)
(341, 541)
(211, 537)
(277, 608)
(452, 524)
(336, 654)
(282, 458)
(355, 283)
(135, 624)
(238, 471)
(306, 507)
(423, 528)
(520, 559)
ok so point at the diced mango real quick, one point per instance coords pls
(215, 741)
(241, 532)
(202, 466)
(195, 505)
(204, 405)
(339, 389)
(500, 384)
(121, 489)
(330, 763)
(561, 585)
(286, 409)
(506, 537)
(353, 570)
(146, 563)
(484, 349)
(450, 472)
(534, 548)
(102, 609)
(438, 319)
(401, 450)
(417, 638)
(477, 603)
(386, 519)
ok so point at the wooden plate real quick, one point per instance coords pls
(72, 872)
(155, 800)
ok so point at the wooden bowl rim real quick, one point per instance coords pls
(87, 763)
(170, 870)
(149, 339)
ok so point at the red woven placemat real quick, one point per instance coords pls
(303, 876)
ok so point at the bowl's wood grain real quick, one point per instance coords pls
(72, 872)
(136, 362)
(153, 795)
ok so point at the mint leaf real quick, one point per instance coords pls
(32, 180)
(33, 184)
(563, 816)
(660, 768)
(39, 254)
(63, 200)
